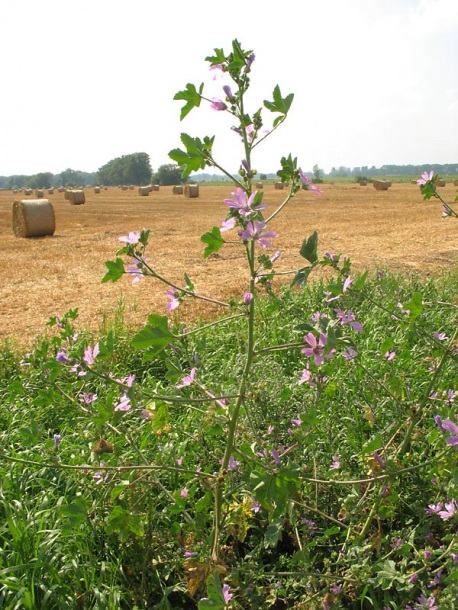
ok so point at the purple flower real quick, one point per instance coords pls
(247, 298)
(348, 317)
(100, 477)
(88, 399)
(413, 578)
(425, 177)
(440, 336)
(433, 509)
(274, 453)
(389, 355)
(233, 463)
(436, 580)
(336, 463)
(216, 71)
(62, 358)
(174, 300)
(188, 379)
(426, 604)
(217, 104)
(242, 204)
(228, 92)
(184, 492)
(317, 348)
(228, 224)
(57, 438)
(451, 395)
(226, 595)
(347, 283)
(307, 183)
(454, 557)
(132, 238)
(296, 422)
(135, 270)
(124, 403)
(91, 354)
(427, 554)
(379, 460)
(255, 231)
(335, 589)
(350, 354)
(275, 257)
(250, 59)
(450, 426)
(449, 511)
(332, 257)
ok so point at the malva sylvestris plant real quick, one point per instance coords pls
(254, 477)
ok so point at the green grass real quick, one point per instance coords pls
(70, 539)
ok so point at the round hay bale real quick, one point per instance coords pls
(33, 218)
(177, 190)
(143, 190)
(50, 191)
(455, 183)
(279, 185)
(362, 183)
(97, 189)
(124, 187)
(381, 185)
(259, 185)
(76, 197)
(155, 187)
(191, 190)
(28, 192)
(440, 182)
(39, 193)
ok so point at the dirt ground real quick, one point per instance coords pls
(43, 277)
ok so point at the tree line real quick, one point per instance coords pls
(136, 169)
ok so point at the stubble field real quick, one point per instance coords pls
(44, 277)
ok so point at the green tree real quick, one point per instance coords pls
(128, 169)
(168, 175)
(317, 174)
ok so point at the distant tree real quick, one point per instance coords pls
(128, 169)
(168, 175)
(41, 180)
(262, 176)
(317, 174)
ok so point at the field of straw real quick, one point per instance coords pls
(44, 277)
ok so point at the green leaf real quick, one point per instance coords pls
(214, 599)
(106, 349)
(415, 306)
(273, 532)
(197, 155)
(191, 96)
(301, 277)
(309, 248)
(155, 336)
(279, 104)
(115, 270)
(288, 168)
(161, 417)
(213, 240)
(75, 513)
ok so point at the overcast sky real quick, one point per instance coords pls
(83, 82)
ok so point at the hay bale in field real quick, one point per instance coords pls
(259, 185)
(97, 189)
(155, 187)
(440, 182)
(76, 197)
(50, 191)
(67, 194)
(381, 185)
(28, 192)
(33, 218)
(279, 185)
(39, 193)
(191, 190)
(124, 187)
(144, 190)
(455, 183)
(362, 183)
(131, 187)
(177, 190)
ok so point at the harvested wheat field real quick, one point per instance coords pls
(45, 276)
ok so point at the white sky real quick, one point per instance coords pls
(83, 82)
